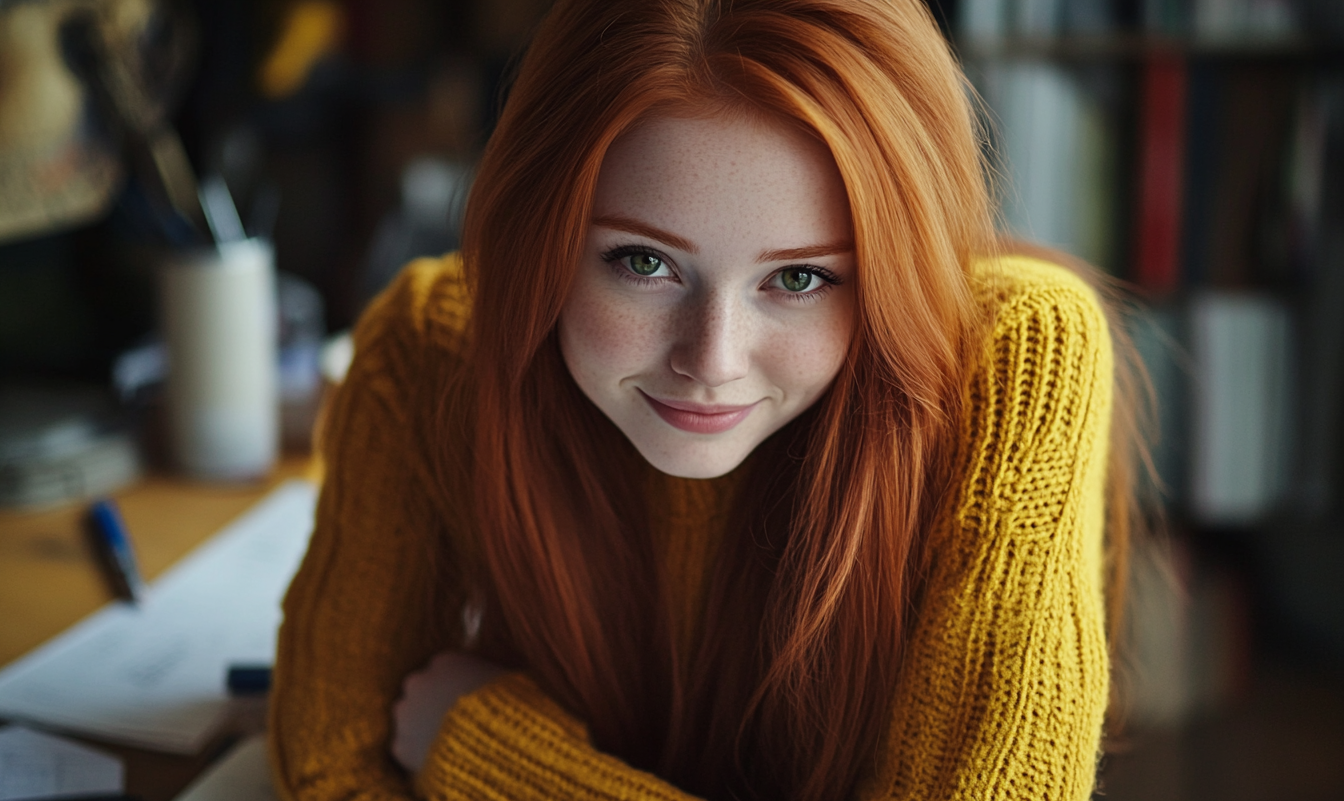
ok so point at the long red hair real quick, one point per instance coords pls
(786, 691)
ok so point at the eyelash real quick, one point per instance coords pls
(614, 256)
(829, 281)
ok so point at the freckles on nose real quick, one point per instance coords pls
(711, 347)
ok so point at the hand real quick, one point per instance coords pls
(427, 695)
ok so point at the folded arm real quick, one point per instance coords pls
(370, 602)
(1005, 683)
(508, 740)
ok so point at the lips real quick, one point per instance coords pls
(699, 418)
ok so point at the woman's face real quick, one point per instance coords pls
(714, 301)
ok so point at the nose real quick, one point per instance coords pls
(713, 343)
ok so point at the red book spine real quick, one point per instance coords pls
(1157, 247)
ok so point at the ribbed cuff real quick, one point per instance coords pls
(507, 740)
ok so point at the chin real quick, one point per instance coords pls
(705, 460)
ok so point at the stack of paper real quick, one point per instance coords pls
(153, 675)
(36, 765)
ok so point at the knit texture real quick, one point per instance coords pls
(1005, 679)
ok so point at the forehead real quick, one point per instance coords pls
(724, 175)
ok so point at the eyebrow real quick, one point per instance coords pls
(809, 252)
(630, 225)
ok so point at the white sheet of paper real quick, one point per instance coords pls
(153, 675)
(37, 765)
(244, 774)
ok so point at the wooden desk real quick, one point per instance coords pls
(49, 579)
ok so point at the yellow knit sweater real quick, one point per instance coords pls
(1005, 681)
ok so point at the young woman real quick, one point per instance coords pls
(730, 460)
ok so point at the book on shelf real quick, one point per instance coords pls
(1161, 174)
(1220, 21)
(1254, 112)
(990, 21)
(1037, 18)
(1242, 406)
(1056, 145)
(1316, 256)
(1228, 426)
(1166, 17)
(1205, 23)
(982, 21)
(1212, 146)
(1158, 335)
(1203, 151)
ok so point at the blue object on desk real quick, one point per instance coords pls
(114, 548)
(249, 679)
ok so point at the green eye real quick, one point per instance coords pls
(644, 264)
(796, 279)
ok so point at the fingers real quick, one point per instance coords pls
(426, 697)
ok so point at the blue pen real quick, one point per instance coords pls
(114, 547)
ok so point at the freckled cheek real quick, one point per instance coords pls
(608, 338)
(806, 359)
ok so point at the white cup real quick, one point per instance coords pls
(219, 319)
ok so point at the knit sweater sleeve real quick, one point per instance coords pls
(1005, 682)
(509, 740)
(365, 607)
(367, 604)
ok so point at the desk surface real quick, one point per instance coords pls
(50, 580)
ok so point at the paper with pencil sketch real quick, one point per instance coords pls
(153, 675)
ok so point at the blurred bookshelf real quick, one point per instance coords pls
(1098, 47)
(1194, 150)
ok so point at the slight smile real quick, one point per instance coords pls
(699, 418)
